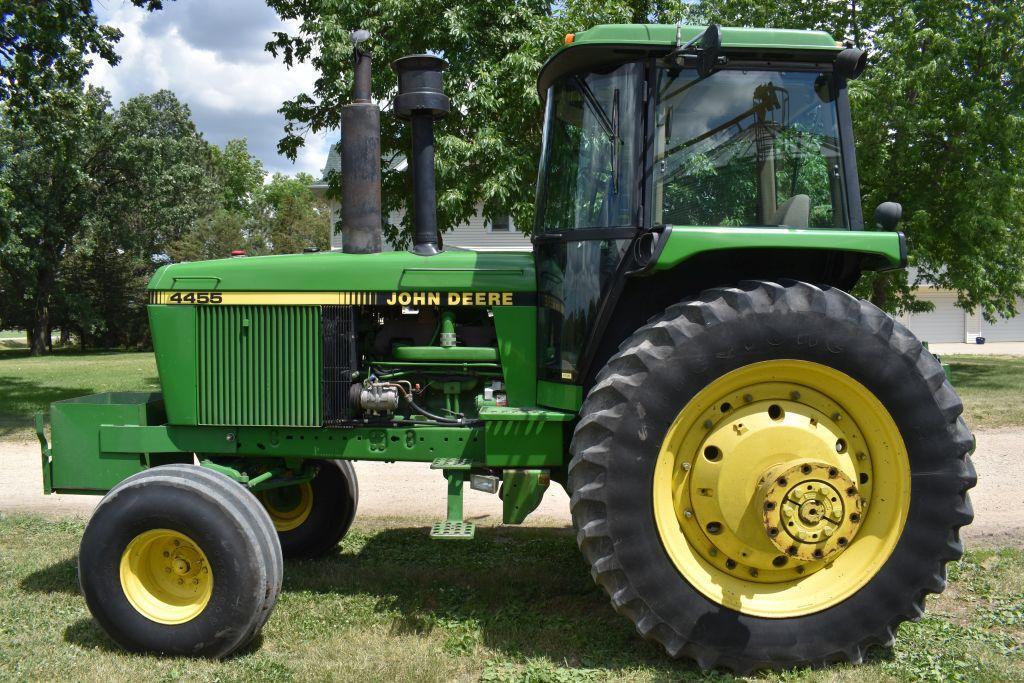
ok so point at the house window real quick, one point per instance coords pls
(501, 224)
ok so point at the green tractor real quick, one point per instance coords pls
(764, 471)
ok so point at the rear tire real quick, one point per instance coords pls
(312, 518)
(638, 404)
(180, 560)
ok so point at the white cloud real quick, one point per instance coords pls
(210, 54)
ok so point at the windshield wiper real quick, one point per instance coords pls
(610, 124)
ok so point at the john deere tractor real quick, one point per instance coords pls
(764, 470)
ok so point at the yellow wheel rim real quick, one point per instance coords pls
(166, 577)
(288, 506)
(781, 488)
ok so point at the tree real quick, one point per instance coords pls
(97, 195)
(46, 45)
(239, 174)
(51, 177)
(295, 219)
(487, 145)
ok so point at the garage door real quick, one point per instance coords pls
(943, 324)
(1005, 330)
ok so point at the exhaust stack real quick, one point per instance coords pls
(360, 161)
(420, 100)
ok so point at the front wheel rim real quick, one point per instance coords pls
(781, 488)
(166, 576)
(289, 507)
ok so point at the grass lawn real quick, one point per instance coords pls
(992, 388)
(30, 384)
(514, 604)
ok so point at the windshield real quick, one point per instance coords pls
(588, 170)
(747, 148)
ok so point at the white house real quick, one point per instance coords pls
(948, 323)
(478, 234)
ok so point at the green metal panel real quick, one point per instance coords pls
(401, 444)
(509, 413)
(77, 463)
(524, 443)
(521, 493)
(685, 242)
(516, 327)
(648, 36)
(732, 37)
(468, 354)
(563, 396)
(259, 365)
(174, 343)
(336, 271)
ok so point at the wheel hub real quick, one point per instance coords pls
(810, 511)
(771, 491)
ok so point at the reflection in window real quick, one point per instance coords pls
(589, 157)
(572, 277)
(748, 148)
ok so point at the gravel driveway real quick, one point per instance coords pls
(412, 490)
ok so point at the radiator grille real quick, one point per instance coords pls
(259, 365)
(340, 361)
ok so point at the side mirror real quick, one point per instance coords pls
(888, 215)
(851, 62)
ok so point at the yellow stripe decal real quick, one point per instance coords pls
(393, 298)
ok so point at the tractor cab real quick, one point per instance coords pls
(651, 127)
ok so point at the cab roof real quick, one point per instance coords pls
(610, 43)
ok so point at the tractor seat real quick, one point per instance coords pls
(795, 212)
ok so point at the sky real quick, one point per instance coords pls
(210, 53)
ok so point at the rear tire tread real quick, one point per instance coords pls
(627, 368)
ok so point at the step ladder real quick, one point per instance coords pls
(454, 528)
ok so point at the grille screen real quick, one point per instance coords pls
(259, 365)
(340, 360)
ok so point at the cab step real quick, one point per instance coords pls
(457, 464)
(453, 531)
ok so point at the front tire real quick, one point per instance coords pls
(772, 475)
(180, 560)
(311, 518)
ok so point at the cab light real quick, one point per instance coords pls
(569, 37)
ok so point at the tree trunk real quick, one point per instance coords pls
(879, 291)
(65, 336)
(39, 343)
